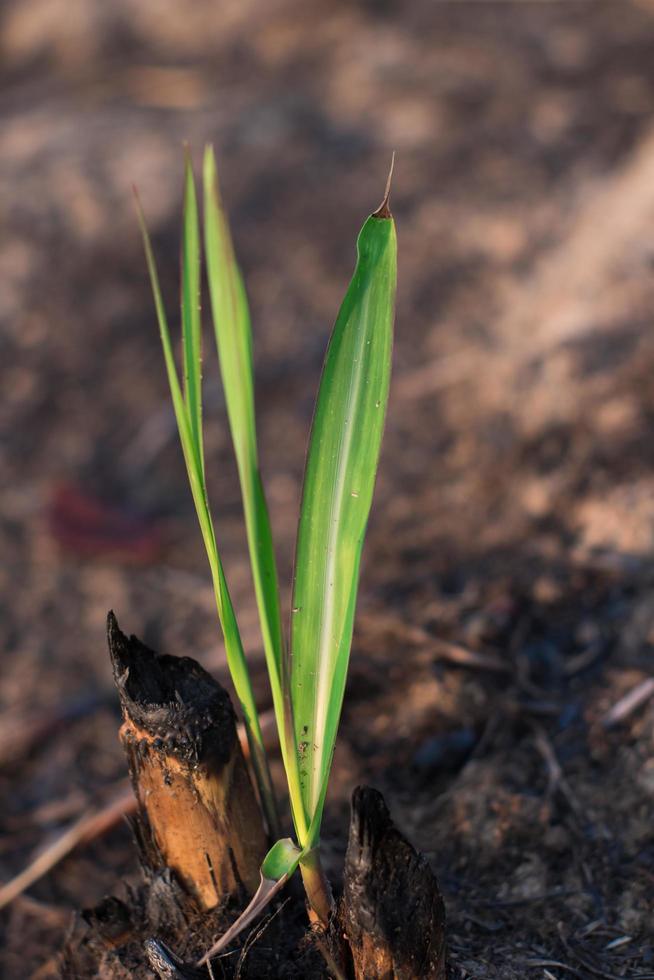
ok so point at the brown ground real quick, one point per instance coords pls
(515, 506)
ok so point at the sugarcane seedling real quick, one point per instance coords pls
(308, 674)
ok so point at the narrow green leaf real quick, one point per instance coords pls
(231, 319)
(191, 322)
(338, 488)
(195, 469)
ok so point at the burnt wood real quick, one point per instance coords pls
(199, 829)
(392, 912)
(198, 814)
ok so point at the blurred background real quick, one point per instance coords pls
(506, 602)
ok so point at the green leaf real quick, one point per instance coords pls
(282, 859)
(278, 865)
(231, 319)
(193, 458)
(338, 488)
(191, 320)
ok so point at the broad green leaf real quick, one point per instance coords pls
(231, 319)
(278, 865)
(338, 488)
(193, 458)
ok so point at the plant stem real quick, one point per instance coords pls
(317, 888)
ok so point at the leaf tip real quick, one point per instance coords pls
(384, 211)
(139, 211)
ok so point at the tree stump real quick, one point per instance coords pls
(198, 814)
(391, 913)
(199, 827)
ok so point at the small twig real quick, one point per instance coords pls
(583, 960)
(255, 936)
(595, 970)
(629, 702)
(454, 653)
(557, 964)
(556, 779)
(434, 646)
(508, 903)
(90, 825)
(54, 915)
(554, 771)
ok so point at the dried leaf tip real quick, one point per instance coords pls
(383, 211)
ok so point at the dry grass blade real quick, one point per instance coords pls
(630, 702)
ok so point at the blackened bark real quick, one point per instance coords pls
(198, 814)
(392, 912)
(199, 828)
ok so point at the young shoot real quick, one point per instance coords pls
(307, 676)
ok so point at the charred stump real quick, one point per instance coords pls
(199, 827)
(392, 913)
(198, 814)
